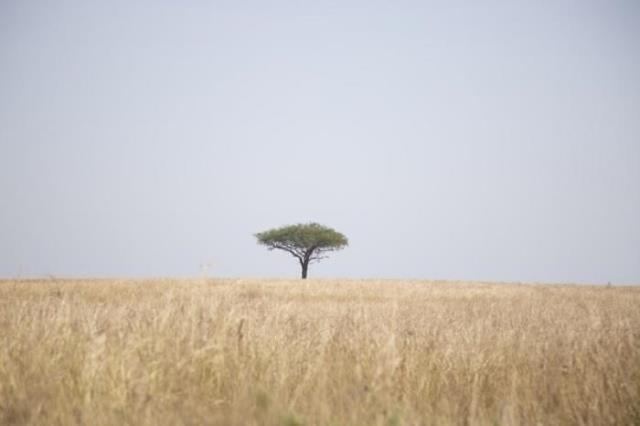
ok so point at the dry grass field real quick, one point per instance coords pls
(320, 352)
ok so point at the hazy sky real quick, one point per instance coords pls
(447, 140)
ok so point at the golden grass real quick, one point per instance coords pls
(320, 352)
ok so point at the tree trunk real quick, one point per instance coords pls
(304, 262)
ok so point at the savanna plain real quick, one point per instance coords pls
(317, 352)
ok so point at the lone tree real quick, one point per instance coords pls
(307, 242)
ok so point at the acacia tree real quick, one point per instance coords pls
(307, 242)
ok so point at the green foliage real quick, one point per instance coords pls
(303, 237)
(307, 242)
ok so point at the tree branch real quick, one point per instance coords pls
(292, 250)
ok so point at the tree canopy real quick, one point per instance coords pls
(307, 242)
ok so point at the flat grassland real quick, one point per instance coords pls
(320, 352)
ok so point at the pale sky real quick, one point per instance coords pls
(447, 140)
